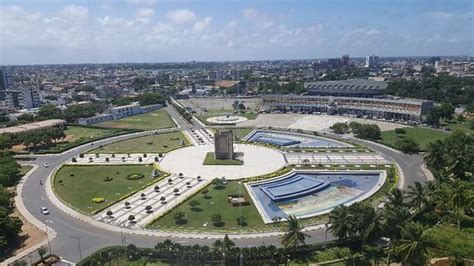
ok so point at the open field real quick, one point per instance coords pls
(154, 143)
(423, 136)
(201, 104)
(78, 185)
(158, 119)
(215, 203)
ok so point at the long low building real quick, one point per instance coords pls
(119, 112)
(397, 109)
(348, 88)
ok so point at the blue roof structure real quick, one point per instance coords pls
(293, 187)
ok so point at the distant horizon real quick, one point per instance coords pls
(75, 31)
(231, 61)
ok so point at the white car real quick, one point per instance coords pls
(44, 211)
(46, 165)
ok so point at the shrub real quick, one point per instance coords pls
(407, 145)
(108, 179)
(113, 155)
(81, 155)
(109, 213)
(332, 254)
(96, 155)
(71, 174)
(107, 159)
(156, 159)
(160, 154)
(400, 131)
(135, 176)
(98, 200)
(74, 160)
(144, 155)
(140, 159)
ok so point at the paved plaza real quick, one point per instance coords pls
(117, 158)
(334, 158)
(258, 160)
(311, 122)
(186, 185)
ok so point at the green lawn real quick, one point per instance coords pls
(215, 204)
(449, 241)
(423, 136)
(154, 143)
(80, 184)
(153, 120)
(249, 114)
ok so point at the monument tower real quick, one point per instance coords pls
(224, 145)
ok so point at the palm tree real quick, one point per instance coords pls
(395, 198)
(223, 247)
(416, 195)
(293, 236)
(340, 221)
(459, 200)
(435, 157)
(414, 244)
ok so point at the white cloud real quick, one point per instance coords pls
(74, 12)
(142, 2)
(262, 21)
(201, 25)
(445, 16)
(181, 16)
(145, 12)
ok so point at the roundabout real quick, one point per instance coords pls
(69, 225)
(226, 119)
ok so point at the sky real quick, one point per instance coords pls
(110, 31)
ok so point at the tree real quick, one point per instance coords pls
(367, 131)
(5, 142)
(216, 220)
(414, 244)
(179, 217)
(26, 118)
(340, 221)
(293, 236)
(340, 128)
(49, 111)
(459, 199)
(41, 253)
(407, 145)
(416, 195)
(151, 98)
(131, 218)
(10, 227)
(223, 247)
(435, 155)
(9, 170)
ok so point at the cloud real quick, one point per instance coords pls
(75, 11)
(201, 25)
(142, 2)
(181, 16)
(448, 16)
(145, 12)
(262, 21)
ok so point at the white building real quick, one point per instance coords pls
(23, 98)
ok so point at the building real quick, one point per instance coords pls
(224, 145)
(391, 109)
(114, 113)
(371, 61)
(23, 98)
(350, 87)
(5, 83)
(345, 61)
(31, 127)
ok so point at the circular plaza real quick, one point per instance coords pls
(256, 160)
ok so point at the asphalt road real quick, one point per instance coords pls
(77, 239)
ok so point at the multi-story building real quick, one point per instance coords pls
(350, 87)
(5, 83)
(371, 61)
(23, 98)
(396, 109)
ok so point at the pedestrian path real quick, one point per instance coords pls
(201, 136)
(334, 158)
(151, 202)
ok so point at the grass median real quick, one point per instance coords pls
(78, 185)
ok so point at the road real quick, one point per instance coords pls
(77, 239)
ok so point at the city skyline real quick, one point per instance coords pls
(57, 32)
